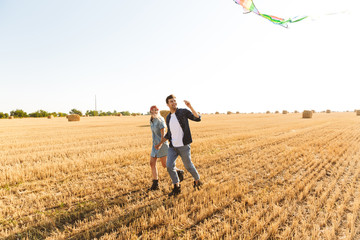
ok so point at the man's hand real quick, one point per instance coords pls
(187, 103)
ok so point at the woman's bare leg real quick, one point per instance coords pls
(154, 168)
(163, 161)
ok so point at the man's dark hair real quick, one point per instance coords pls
(171, 96)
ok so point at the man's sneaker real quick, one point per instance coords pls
(155, 185)
(198, 184)
(180, 174)
(175, 191)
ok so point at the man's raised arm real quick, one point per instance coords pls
(188, 104)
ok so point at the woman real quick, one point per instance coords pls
(157, 125)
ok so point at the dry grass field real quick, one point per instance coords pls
(266, 176)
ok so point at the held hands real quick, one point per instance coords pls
(158, 146)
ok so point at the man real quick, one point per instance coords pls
(179, 136)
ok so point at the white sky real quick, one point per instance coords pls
(56, 55)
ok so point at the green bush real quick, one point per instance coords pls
(92, 113)
(60, 114)
(125, 113)
(75, 111)
(4, 115)
(39, 113)
(18, 113)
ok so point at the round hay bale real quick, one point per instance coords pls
(307, 114)
(284, 112)
(164, 113)
(296, 111)
(73, 117)
(357, 112)
(267, 112)
(328, 111)
(229, 112)
(11, 117)
(217, 113)
(50, 117)
(118, 114)
(276, 112)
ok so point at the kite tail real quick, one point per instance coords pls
(297, 19)
(249, 6)
(281, 21)
(276, 20)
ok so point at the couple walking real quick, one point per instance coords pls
(179, 136)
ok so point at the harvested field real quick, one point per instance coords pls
(266, 176)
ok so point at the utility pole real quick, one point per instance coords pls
(95, 104)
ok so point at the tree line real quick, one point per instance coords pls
(19, 113)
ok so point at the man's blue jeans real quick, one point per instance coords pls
(185, 155)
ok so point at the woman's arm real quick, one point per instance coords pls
(158, 146)
(162, 133)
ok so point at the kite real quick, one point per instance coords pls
(249, 6)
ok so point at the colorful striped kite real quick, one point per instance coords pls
(249, 6)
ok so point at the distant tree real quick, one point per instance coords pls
(75, 111)
(92, 113)
(2, 115)
(44, 113)
(125, 113)
(35, 114)
(18, 113)
(60, 114)
(39, 113)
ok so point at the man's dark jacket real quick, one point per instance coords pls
(182, 115)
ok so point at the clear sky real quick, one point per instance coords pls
(57, 55)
